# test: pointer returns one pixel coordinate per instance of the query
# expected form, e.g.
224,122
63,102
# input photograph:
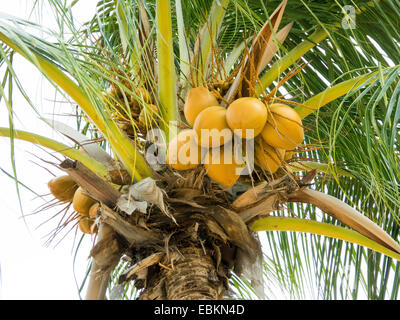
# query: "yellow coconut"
223,168
247,113
148,114
248,146
183,152
63,188
288,156
93,211
111,91
211,127
87,225
197,100
283,129
267,157
138,99
143,93
82,202
118,91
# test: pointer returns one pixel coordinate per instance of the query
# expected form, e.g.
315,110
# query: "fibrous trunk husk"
193,276
106,255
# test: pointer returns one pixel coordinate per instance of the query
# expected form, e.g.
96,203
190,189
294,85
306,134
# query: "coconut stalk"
247,76
255,205
208,36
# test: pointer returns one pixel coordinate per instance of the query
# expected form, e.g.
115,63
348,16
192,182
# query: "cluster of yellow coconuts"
140,106
275,129
65,189
148,111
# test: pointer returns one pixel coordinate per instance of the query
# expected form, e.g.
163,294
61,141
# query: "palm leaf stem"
58,147
319,228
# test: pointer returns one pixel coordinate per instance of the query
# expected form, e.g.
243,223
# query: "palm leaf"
325,229
166,67
120,143
58,147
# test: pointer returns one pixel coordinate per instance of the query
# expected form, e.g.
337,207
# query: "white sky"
28,269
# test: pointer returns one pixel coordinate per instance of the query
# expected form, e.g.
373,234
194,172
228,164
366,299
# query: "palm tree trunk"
97,284
98,281
193,277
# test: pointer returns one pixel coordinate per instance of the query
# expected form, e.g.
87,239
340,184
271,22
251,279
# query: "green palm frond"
58,147
359,134
58,64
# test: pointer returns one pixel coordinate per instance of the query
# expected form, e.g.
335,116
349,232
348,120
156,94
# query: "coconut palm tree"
328,213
